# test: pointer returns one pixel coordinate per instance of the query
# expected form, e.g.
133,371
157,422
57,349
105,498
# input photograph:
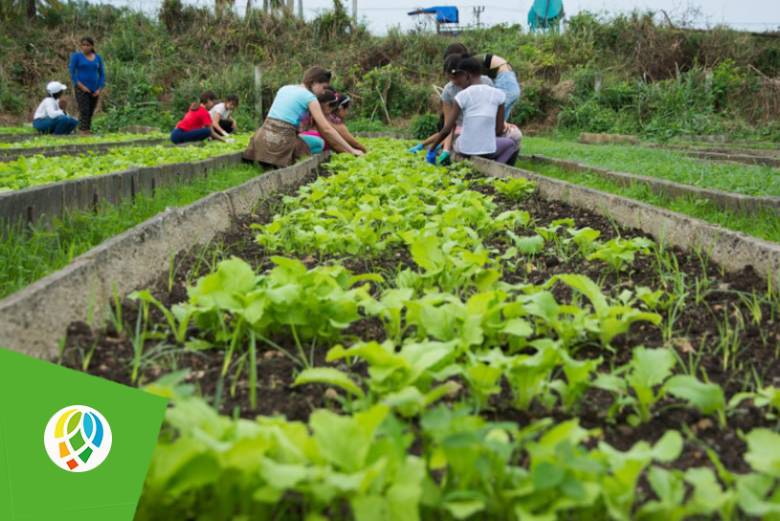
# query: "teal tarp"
544,12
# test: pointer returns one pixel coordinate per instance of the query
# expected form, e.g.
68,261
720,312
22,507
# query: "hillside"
630,74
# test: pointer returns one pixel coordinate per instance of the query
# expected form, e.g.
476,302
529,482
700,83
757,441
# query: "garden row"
48,141
82,201
27,172
737,197
443,345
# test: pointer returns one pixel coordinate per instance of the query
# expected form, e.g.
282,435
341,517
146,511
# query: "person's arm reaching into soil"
449,126
327,131
451,112
342,129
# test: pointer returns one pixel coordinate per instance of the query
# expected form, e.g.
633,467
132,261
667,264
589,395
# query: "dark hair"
232,98
451,62
57,95
316,74
328,97
470,65
205,97
455,48
87,39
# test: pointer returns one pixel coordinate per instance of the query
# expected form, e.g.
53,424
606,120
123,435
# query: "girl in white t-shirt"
482,107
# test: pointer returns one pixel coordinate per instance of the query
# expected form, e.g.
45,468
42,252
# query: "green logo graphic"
98,437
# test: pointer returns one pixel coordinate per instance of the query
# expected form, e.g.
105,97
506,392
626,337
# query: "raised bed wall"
39,204
34,320
731,250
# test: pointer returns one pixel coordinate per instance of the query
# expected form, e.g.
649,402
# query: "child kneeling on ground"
50,116
196,123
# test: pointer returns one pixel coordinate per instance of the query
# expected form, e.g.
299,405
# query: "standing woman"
277,142
89,77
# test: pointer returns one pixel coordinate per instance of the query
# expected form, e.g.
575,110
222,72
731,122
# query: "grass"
28,255
765,225
745,179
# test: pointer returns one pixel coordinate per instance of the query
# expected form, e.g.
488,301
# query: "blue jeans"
187,136
315,144
507,83
60,125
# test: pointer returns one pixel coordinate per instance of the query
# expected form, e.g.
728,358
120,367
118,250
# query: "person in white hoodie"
50,116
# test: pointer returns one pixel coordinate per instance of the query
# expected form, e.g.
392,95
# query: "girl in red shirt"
196,123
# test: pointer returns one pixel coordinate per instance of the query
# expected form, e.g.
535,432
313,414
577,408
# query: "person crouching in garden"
196,123
222,116
335,107
88,75
308,130
337,118
50,116
277,142
482,107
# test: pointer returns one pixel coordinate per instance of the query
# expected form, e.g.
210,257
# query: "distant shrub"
424,125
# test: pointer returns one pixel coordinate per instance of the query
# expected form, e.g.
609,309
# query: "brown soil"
695,337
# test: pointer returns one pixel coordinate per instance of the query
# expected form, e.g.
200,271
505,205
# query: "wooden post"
259,92
354,12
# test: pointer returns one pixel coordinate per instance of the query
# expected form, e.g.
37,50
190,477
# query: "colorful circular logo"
77,438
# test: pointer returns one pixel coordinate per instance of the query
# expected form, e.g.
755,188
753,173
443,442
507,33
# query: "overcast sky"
753,15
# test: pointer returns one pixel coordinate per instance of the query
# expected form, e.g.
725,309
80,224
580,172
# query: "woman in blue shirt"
89,77
277,142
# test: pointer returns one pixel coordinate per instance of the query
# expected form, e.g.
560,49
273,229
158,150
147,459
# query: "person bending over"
497,69
50,116
335,106
337,118
196,123
448,108
308,130
277,142
222,116
482,107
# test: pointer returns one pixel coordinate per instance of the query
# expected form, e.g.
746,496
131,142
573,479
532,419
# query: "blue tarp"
445,14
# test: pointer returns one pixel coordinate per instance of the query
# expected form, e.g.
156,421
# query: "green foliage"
387,92
54,141
27,255
36,170
408,442
653,75
424,126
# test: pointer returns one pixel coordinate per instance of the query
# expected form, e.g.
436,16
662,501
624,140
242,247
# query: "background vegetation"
629,74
